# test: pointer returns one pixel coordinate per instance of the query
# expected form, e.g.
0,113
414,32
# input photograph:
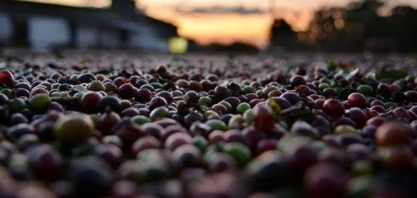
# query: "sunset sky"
227,21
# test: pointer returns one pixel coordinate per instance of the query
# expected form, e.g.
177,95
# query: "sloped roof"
165,29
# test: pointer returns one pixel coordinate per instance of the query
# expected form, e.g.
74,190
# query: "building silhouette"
42,26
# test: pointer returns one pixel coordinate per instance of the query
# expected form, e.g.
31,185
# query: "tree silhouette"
281,27
359,27
403,27
362,21
281,33
326,28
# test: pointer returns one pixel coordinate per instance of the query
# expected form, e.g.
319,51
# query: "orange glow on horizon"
252,29
226,28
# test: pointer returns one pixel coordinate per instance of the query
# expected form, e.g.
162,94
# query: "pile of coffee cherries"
127,125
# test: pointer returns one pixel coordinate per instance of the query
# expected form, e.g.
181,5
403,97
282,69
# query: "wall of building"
6,28
47,32
86,37
110,38
147,38
43,33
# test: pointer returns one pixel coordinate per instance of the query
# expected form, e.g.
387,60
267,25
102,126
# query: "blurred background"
188,25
